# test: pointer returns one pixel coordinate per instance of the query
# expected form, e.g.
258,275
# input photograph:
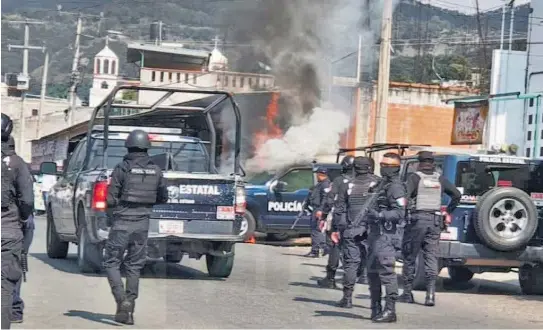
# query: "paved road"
271,287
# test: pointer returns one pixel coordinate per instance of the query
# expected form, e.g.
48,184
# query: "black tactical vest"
141,184
8,187
358,192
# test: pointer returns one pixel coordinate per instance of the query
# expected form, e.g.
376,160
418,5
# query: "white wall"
535,84
505,124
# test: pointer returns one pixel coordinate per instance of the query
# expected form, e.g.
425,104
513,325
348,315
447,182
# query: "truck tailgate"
197,205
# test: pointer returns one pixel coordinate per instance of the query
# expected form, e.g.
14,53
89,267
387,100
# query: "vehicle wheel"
89,255
248,225
220,266
56,248
419,283
506,219
278,237
174,257
459,274
530,278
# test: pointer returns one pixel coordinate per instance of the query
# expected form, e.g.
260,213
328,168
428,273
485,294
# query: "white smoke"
318,135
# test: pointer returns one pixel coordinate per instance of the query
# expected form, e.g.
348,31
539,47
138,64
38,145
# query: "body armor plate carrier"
428,193
8,187
141,184
358,193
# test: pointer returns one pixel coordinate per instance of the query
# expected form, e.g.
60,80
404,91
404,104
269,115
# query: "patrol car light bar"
128,129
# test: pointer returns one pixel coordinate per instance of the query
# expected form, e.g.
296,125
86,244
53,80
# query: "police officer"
136,185
28,235
351,198
317,201
383,223
334,251
424,190
17,206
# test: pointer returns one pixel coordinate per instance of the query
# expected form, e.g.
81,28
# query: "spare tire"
506,219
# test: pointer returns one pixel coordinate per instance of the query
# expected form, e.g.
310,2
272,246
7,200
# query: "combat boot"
388,315
329,281
346,301
430,294
407,295
121,315
376,308
125,313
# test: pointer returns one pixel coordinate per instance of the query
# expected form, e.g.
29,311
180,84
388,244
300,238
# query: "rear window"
186,156
476,178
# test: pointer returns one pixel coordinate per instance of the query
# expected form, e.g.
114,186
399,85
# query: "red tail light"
241,203
99,196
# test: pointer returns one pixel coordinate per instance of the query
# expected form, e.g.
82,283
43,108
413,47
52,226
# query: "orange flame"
272,130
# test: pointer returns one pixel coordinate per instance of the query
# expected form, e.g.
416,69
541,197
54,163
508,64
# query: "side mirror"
65,164
48,168
280,186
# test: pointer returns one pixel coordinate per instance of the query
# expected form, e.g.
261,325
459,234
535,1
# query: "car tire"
248,225
56,248
90,255
419,282
493,215
220,266
460,274
531,279
174,257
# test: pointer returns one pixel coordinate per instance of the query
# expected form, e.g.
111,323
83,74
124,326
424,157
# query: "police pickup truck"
275,200
204,212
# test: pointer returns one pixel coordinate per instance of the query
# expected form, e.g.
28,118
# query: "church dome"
217,60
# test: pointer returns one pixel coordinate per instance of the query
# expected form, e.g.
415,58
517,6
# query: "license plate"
450,235
225,213
170,227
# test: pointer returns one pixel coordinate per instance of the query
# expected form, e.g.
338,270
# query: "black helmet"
7,127
347,162
362,164
138,139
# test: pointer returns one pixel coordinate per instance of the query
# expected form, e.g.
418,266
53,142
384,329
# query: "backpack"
7,183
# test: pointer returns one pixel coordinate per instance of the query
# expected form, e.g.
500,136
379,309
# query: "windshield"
259,178
476,178
188,157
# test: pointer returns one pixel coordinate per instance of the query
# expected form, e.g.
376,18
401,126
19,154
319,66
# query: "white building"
105,75
519,121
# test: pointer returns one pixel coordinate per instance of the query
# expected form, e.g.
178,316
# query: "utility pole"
511,24
72,96
383,81
503,25
42,93
25,47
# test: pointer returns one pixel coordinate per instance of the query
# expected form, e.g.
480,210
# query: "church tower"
105,75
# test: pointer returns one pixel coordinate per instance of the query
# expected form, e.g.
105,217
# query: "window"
541,135
113,67
194,78
298,179
233,81
185,156
170,76
476,178
540,151
527,152
178,77
225,82
104,85
529,138
186,78
241,82
77,158
34,112
153,76
250,82
106,67
530,119
162,76
97,68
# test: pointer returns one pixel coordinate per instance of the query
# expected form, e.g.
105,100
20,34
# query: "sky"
468,6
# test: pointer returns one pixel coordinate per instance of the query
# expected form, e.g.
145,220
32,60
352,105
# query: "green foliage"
130,95
419,69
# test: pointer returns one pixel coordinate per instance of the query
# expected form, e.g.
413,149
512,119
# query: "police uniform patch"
327,190
401,201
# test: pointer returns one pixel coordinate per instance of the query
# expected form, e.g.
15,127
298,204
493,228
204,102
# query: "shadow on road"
340,314
160,270
331,303
94,317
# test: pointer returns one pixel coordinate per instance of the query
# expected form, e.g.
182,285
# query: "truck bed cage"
170,114
377,147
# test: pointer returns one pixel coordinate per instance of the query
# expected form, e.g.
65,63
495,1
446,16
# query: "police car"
498,225
274,200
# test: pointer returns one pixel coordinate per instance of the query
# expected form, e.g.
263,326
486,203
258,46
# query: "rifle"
24,264
369,204
300,215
